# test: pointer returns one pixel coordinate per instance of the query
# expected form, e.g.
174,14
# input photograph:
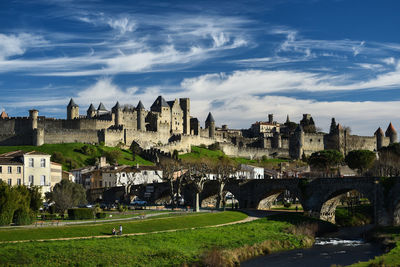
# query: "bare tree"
172,173
224,169
196,175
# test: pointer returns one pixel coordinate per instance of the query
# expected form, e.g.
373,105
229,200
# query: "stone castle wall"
71,136
253,152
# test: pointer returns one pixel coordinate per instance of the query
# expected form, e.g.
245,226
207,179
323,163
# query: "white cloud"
123,25
389,61
357,49
16,45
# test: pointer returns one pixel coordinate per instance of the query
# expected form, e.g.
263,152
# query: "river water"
325,252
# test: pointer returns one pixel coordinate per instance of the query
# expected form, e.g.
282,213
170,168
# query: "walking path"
248,219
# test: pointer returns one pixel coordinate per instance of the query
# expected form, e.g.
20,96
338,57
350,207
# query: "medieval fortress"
168,126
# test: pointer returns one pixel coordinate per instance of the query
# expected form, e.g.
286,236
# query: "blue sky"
238,59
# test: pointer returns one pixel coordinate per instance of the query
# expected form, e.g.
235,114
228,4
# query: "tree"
8,200
224,169
67,194
388,163
36,200
112,156
196,174
172,173
325,160
362,160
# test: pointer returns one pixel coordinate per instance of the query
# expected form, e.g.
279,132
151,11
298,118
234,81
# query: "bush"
214,146
80,214
58,157
23,217
49,216
287,204
101,215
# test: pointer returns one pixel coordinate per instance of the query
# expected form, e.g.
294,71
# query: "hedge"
101,215
80,213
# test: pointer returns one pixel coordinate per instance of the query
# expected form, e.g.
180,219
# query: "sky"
241,60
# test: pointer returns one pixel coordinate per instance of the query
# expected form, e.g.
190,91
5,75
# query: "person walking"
114,232
120,229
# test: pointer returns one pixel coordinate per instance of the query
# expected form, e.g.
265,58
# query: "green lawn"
143,226
199,152
389,259
163,249
72,151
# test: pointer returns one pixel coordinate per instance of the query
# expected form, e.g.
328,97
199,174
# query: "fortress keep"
169,126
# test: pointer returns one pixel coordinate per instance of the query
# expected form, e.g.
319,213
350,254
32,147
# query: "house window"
1,169
9,181
42,179
31,163
9,168
101,183
31,180
18,169
43,163
19,181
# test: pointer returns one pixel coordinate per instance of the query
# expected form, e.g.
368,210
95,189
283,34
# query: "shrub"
23,217
287,204
58,157
80,214
101,215
49,216
214,146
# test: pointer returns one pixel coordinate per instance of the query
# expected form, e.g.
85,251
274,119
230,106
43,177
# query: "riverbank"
389,238
192,247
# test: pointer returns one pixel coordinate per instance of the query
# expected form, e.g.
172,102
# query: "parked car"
138,202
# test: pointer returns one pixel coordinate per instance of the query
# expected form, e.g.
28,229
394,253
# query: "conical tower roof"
287,118
379,132
91,108
160,102
210,118
101,107
140,105
3,115
72,103
117,106
390,130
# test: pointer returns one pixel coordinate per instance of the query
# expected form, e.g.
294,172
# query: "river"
325,252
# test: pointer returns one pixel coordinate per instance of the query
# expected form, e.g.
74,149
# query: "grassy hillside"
199,152
76,158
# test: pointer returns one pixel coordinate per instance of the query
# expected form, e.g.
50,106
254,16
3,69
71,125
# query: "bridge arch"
268,198
326,208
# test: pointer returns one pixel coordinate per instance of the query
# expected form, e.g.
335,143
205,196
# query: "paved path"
248,219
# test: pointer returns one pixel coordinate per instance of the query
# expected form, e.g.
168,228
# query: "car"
138,202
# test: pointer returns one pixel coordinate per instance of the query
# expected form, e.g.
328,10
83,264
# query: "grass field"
163,249
391,258
199,152
143,226
71,151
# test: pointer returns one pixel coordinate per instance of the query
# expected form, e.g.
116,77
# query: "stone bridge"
319,197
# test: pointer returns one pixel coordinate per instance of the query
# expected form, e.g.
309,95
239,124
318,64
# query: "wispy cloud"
17,44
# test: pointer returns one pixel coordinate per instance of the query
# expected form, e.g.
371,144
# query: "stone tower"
379,138
141,116
299,135
391,133
118,114
270,118
33,116
210,124
72,110
185,106
91,112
